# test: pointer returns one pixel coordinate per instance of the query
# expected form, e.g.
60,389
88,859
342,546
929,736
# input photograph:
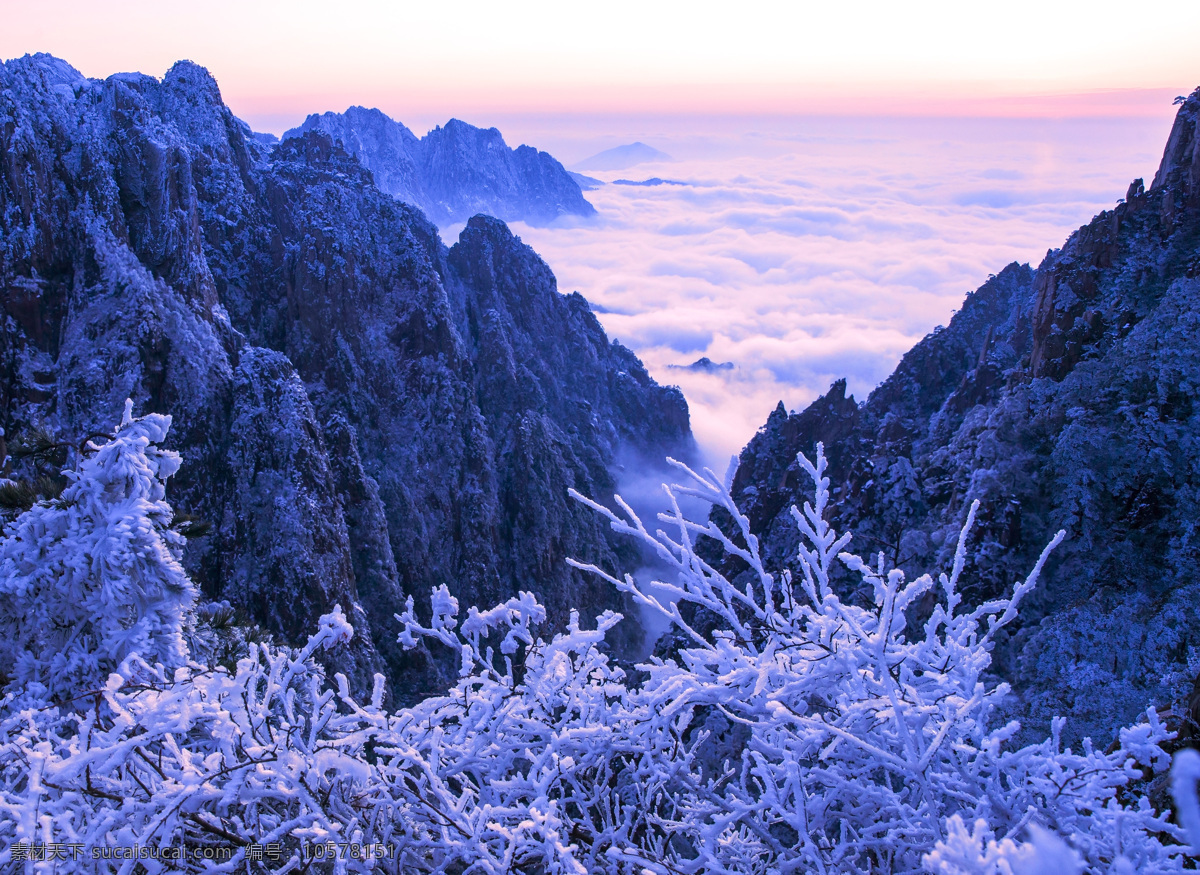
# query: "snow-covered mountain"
456,171
362,413
1061,397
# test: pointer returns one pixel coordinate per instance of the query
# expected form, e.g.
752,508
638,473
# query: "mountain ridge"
361,411
456,170
1061,397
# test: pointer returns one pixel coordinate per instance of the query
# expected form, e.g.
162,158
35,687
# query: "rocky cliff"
1061,397
363,414
454,172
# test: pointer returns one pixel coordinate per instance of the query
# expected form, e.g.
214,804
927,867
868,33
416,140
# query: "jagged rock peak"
456,170
1181,157
362,413
53,71
190,76
1059,398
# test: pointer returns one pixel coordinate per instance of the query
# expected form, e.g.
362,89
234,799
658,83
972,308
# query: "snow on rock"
1059,398
455,171
363,414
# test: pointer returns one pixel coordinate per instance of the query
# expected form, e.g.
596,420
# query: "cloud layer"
808,250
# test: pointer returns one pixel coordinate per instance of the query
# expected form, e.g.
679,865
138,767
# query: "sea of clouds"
804,250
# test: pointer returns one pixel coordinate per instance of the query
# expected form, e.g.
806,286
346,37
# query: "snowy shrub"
93,576
204,759
865,739
535,760
976,852
264,761
1185,773
803,734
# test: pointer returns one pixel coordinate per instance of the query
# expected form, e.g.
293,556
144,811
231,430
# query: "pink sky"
277,61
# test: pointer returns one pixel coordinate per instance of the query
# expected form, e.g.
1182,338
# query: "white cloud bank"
807,250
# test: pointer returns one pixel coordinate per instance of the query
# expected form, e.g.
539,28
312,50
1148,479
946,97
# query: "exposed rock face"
363,414
456,171
1061,398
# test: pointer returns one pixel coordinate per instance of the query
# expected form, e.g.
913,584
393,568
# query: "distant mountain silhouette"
649,183
623,157
704,365
455,171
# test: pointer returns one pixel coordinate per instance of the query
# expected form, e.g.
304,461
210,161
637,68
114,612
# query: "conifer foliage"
795,731
93,576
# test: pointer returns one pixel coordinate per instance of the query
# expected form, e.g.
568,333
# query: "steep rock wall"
456,170
1060,398
363,414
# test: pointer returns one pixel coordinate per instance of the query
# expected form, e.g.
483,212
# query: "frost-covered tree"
92,577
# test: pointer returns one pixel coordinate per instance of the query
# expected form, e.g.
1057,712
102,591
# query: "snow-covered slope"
1062,397
456,171
362,413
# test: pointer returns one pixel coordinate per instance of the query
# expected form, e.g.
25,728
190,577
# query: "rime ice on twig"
803,734
866,743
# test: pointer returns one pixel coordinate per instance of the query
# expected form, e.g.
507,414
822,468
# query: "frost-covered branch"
879,733
802,733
